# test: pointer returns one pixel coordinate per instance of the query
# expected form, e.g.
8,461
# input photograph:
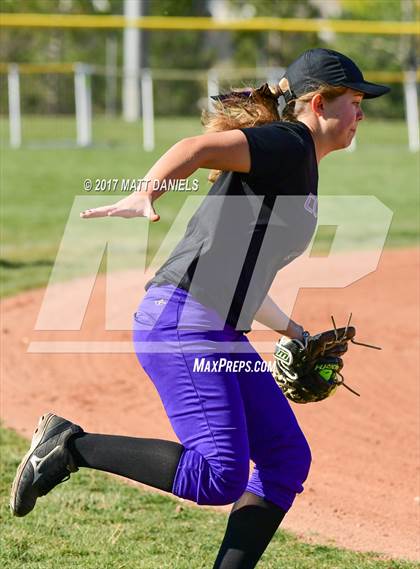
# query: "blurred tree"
178,50
272,48
371,52
379,52
54,93
196,49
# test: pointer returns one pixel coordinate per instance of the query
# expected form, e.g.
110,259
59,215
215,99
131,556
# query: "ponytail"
249,107
241,108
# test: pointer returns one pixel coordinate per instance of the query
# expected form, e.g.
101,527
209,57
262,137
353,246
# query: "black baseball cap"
321,66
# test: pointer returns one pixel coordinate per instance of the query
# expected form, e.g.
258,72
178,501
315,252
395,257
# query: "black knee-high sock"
252,523
151,461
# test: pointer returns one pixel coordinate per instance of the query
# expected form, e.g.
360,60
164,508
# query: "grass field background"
93,521
40,181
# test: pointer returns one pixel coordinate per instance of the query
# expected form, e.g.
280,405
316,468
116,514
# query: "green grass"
40,181
39,185
381,166
95,522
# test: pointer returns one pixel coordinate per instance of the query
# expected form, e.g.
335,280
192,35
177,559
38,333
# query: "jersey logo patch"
311,205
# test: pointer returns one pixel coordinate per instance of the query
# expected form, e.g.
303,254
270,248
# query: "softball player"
190,329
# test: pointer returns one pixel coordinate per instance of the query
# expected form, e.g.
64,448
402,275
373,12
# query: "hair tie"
267,91
286,91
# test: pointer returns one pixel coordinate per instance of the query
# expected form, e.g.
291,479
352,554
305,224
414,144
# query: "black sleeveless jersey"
249,225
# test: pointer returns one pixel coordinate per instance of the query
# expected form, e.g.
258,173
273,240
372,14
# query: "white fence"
212,78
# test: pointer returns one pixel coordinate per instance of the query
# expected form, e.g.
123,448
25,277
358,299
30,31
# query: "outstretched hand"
137,204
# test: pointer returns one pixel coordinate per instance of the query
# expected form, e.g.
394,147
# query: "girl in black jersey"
189,330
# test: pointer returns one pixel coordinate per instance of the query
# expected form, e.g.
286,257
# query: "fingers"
103,211
130,212
154,217
150,212
121,210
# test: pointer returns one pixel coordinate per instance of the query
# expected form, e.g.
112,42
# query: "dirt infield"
363,489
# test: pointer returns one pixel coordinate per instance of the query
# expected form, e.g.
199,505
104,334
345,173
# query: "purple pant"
223,417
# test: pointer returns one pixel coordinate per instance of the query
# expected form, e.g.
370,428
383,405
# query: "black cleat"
47,463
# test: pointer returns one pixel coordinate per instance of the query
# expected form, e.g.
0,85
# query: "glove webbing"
353,341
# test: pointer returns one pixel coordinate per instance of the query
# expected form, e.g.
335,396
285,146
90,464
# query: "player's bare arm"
227,151
272,316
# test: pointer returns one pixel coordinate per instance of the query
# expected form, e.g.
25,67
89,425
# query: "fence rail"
187,74
145,77
197,23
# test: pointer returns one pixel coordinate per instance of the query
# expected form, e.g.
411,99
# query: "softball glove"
310,370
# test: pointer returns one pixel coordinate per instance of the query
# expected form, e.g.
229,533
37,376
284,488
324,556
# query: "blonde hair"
250,107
